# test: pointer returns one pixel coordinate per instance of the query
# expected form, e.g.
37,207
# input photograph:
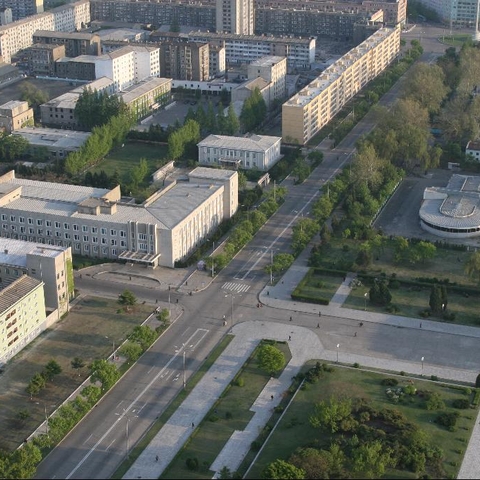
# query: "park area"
349,423
456,40
409,282
90,331
122,159
231,412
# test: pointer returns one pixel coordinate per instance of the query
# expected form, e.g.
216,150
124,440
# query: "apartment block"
235,16
22,8
147,96
78,68
56,143
14,115
308,111
5,15
75,43
274,71
185,60
18,35
60,111
94,222
22,315
42,58
216,60
300,52
256,152
163,12
49,264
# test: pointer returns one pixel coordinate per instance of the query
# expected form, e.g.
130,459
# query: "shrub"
256,445
434,402
477,381
192,464
434,378
214,418
240,382
409,390
389,382
402,373
449,317
356,365
447,419
394,284
278,409
228,415
461,403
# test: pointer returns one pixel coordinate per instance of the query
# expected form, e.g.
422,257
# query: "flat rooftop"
50,137
65,35
11,104
267,61
135,91
215,173
251,38
334,71
14,252
255,143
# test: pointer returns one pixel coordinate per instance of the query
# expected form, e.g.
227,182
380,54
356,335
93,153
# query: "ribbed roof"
254,143
18,289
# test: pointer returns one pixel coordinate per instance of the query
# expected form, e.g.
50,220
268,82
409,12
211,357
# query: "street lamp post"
127,434
232,298
365,297
113,346
213,261
338,346
184,380
422,359
169,305
271,267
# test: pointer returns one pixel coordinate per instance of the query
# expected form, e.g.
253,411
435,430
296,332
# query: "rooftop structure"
452,211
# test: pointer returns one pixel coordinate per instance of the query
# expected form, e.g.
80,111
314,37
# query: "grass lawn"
82,333
123,159
448,264
232,412
455,40
294,429
321,285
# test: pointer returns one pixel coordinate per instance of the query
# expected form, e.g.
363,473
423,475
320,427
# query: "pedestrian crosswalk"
236,287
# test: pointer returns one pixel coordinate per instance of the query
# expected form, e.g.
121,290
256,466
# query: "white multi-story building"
256,152
216,61
147,62
22,8
300,52
235,16
49,264
22,315
455,13
314,106
274,70
19,35
94,222
118,65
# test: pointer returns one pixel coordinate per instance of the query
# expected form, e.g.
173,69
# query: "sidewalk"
304,346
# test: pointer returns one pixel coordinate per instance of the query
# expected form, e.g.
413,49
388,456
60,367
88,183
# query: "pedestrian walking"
355,334
420,324
193,425
156,300
268,292
319,314
271,397
318,325
290,318
156,458
289,337
361,324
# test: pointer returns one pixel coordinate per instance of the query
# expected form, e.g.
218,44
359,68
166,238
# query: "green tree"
301,169
163,316
371,459
379,293
12,147
329,415
472,266
37,383
270,358
232,124
104,372
280,469
422,251
21,463
34,96
316,463
281,262
52,368
131,351
127,298
254,110
138,173
436,300
77,363
143,335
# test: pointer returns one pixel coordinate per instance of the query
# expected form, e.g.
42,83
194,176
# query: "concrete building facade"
42,58
308,111
22,315
75,43
18,35
274,71
14,115
185,61
216,60
22,8
6,15
235,16
56,143
49,264
94,222
256,152
473,150
300,52
147,96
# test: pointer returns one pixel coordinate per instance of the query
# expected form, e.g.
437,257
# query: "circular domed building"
452,211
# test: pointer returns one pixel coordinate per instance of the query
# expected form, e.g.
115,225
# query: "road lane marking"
113,441
87,439
120,418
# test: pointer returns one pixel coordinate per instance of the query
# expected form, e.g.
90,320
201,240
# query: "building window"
57,225
66,226
31,231
113,233
85,238
123,233
76,237
21,219
94,229
75,227
30,221
12,218
103,231
104,241
4,217
39,222
113,242
84,228
48,223
77,246
95,239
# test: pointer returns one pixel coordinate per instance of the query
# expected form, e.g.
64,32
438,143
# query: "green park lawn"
88,331
321,285
295,430
124,158
410,300
455,40
232,413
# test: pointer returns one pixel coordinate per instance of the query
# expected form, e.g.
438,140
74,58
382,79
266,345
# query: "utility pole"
271,267
184,380
213,261
274,193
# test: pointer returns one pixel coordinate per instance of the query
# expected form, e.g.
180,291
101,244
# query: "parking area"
400,215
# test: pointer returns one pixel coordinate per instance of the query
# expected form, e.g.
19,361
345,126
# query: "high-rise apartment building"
235,16
22,8
185,61
312,108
